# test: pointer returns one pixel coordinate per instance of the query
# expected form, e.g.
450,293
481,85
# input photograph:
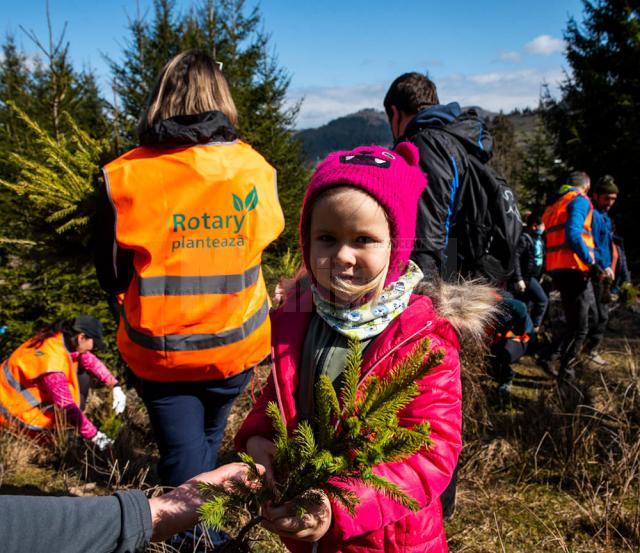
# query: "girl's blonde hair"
189,83
372,289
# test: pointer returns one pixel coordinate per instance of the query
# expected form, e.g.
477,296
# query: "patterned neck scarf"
370,319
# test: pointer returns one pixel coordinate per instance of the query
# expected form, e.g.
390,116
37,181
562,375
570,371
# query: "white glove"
119,400
102,440
609,274
520,286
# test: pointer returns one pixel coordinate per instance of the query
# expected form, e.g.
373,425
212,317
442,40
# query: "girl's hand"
309,527
262,451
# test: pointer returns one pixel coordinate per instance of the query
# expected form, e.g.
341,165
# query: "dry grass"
556,470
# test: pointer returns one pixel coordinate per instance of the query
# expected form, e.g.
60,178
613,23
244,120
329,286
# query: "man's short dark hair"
534,218
578,178
411,93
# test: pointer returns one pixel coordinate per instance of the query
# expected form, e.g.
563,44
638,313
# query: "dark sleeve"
436,208
115,524
114,265
521,250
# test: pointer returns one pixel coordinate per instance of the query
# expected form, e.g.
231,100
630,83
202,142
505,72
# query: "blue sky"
342,56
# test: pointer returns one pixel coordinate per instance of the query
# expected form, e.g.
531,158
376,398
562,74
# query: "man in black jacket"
445,136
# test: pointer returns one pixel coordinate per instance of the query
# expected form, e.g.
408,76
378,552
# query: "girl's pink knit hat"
392,177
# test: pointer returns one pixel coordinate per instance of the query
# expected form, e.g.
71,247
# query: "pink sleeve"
257,422
55,387
97,368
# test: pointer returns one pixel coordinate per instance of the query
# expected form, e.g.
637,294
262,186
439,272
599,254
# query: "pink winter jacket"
380,524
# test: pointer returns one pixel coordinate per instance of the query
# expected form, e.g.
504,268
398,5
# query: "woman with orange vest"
184,221
43,373
571,263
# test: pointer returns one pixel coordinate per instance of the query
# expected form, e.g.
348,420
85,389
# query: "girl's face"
85,343
350,239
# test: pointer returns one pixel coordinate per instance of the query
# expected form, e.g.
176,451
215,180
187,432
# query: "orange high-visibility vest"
21,402
559,254
197,220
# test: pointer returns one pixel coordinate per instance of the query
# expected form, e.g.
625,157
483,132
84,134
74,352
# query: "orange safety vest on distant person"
559,254
197,220
22,405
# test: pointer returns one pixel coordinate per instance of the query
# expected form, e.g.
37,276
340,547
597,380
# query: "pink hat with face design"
392,177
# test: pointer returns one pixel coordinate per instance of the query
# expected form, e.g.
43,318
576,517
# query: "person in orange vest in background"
43,373
571,262
184,220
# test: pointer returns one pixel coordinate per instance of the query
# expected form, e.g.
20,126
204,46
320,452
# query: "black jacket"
525,265
445,136
114,265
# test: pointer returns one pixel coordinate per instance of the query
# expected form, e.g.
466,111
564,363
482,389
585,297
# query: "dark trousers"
536,299
579,307
601,294
188,420
503,355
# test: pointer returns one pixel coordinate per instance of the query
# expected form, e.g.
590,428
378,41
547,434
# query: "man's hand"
178,510
262,451
309,527
520,286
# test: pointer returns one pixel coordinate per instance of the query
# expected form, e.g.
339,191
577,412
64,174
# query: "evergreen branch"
351,377
327,408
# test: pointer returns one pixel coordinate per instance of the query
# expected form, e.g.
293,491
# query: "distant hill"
363,127
370,126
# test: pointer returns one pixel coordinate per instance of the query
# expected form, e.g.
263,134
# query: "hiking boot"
596,358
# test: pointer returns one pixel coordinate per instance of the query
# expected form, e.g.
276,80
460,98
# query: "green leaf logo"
251,201
237,202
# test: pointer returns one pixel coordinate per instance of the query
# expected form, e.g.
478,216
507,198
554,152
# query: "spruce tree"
352,431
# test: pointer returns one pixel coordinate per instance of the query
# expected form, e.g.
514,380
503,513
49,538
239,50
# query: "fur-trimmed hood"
469,306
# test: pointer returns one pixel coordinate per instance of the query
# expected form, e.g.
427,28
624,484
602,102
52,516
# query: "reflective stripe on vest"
559,254
197,220
195,286
26,394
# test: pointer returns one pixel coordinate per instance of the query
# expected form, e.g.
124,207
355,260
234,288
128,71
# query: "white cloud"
322,104
495,91
545,45
500,90
511,57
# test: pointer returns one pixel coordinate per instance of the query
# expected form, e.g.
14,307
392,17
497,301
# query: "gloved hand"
609,274
596,272
102,441
119,400
520,286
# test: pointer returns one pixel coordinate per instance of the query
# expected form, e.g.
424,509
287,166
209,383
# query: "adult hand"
102,441
178,510
262,450
309,527
609,274
520,286
119,400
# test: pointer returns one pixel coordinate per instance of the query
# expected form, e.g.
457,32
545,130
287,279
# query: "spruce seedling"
350,434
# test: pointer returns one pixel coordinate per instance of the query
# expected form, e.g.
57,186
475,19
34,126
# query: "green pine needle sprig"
350,434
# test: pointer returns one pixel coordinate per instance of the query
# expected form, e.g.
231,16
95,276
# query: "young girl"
357,231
